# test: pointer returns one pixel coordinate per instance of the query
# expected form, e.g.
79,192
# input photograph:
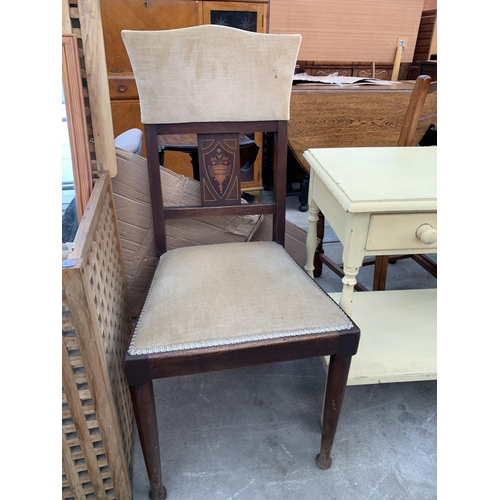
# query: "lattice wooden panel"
83,453
97,418
106,283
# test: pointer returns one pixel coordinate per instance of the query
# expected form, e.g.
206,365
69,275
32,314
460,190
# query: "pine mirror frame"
77,124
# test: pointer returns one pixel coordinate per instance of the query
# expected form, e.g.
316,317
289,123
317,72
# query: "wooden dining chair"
224,306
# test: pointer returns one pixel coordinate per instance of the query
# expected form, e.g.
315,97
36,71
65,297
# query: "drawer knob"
122,88
426,234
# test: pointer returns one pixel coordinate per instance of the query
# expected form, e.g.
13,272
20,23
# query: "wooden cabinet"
249,16
118,15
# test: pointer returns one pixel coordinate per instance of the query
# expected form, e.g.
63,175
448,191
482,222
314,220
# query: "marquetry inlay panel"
219,157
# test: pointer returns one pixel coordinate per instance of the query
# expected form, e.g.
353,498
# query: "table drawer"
398,232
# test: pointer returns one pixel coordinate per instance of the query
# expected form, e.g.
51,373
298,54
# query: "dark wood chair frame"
423,87
140,370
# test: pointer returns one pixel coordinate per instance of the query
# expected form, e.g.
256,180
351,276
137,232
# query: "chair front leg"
147,426
338,372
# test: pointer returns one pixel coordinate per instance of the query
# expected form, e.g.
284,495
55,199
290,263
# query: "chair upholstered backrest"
212,73
218,83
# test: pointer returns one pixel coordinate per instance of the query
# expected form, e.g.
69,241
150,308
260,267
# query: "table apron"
382,233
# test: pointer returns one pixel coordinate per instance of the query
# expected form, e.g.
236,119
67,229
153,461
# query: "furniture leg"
380,272
304,194
338,269
318,262
336,382
349,281
145,415
428,264
311,238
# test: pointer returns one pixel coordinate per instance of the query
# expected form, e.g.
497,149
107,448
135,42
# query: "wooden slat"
426,30
192,212
83,238
97,81
66,21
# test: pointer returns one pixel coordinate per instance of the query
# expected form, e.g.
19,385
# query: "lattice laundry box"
97,417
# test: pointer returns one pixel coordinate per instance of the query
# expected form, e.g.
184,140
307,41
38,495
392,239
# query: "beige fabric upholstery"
192,304
182,75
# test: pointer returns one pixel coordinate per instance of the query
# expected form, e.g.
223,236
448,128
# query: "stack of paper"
334,79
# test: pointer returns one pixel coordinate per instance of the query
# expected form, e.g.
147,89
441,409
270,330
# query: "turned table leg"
349,282
312,238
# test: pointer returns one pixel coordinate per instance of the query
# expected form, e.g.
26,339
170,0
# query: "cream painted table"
380,201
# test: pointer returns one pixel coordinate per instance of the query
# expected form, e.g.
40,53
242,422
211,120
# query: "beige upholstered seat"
193,304
225,305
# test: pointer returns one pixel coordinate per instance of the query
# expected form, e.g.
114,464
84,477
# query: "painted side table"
380,201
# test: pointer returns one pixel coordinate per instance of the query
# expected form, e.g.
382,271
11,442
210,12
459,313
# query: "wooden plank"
192,212
398,336
77,123
66,21
86,228
343,30
97,81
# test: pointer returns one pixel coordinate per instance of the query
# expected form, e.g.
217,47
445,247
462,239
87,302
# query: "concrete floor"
254,433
